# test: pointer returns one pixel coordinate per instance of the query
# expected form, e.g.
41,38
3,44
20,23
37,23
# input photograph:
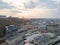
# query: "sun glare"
25,13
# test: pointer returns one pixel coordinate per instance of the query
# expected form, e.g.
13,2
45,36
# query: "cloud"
41,3
48,3
8,9
31,8
56,13
30,4
5,5
50,8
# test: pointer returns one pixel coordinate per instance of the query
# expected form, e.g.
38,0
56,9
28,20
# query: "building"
42,28
52,27
11,30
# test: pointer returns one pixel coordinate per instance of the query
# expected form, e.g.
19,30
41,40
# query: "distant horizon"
29,18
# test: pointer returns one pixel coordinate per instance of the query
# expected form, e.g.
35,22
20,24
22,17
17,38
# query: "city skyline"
30,8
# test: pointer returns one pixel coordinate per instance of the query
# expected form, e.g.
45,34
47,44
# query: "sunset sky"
30,8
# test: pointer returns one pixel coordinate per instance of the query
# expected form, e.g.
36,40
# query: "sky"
30,8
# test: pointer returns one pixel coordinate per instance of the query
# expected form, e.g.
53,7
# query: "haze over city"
29,22
30,8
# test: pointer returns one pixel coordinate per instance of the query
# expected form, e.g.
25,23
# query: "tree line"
12,21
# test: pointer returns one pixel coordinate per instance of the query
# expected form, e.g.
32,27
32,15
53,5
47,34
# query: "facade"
52,27
11,31
42,28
